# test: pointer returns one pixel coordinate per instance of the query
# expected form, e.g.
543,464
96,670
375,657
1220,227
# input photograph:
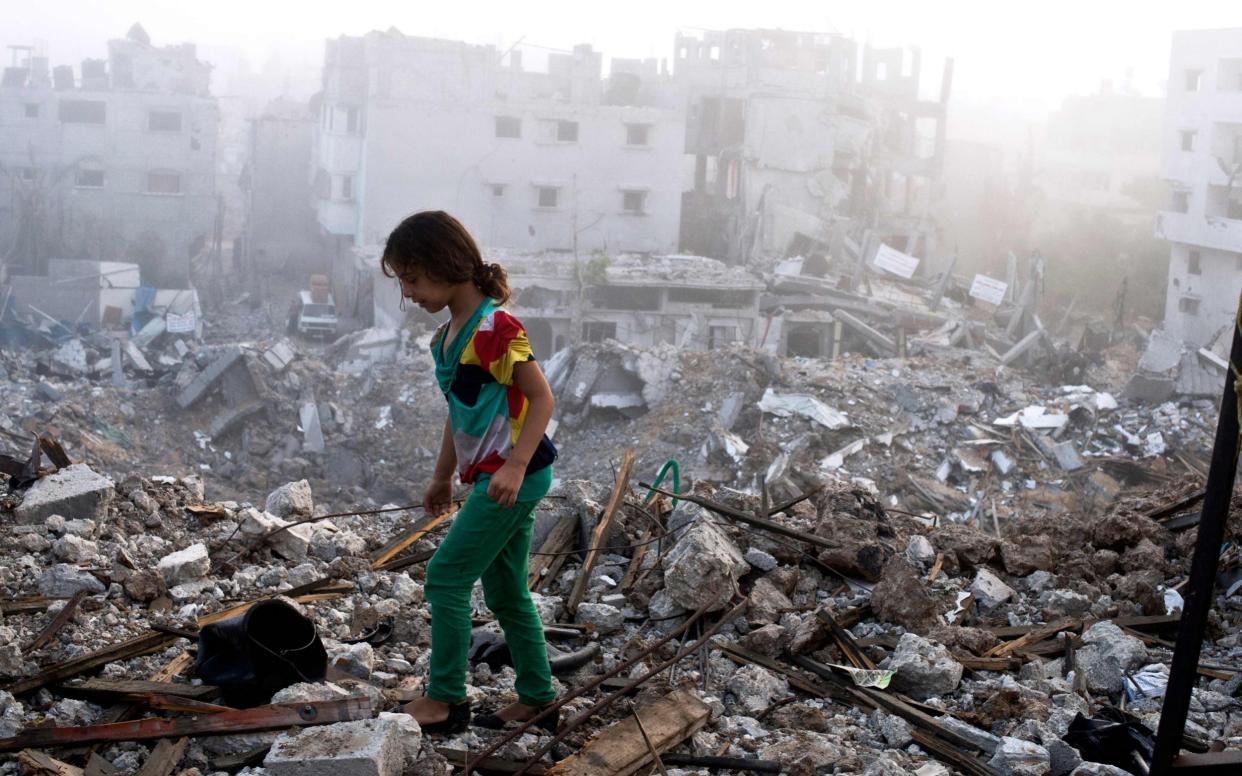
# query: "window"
1188,139
548,196
347,188
1193,80
82,111
164,121
598,331
1188,305
351,121
498,189
163,182
633,201
567,131
32,110
719,336
508,126
1193,265
1181,202
637,134
89,175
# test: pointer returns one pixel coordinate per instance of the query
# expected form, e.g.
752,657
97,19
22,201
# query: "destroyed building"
115,162
797,141
528,160
1202,153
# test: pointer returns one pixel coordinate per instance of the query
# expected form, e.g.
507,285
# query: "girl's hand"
438,498
504,484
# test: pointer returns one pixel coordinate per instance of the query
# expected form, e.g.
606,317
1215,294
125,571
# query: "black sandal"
457,721
494,722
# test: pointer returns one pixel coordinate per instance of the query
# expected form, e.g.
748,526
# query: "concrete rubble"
934,507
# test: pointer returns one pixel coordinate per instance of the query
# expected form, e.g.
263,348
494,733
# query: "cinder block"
369,747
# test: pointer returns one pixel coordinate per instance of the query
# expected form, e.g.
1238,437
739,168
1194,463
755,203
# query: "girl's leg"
504,589
480,531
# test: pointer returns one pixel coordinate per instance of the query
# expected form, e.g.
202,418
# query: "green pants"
492,542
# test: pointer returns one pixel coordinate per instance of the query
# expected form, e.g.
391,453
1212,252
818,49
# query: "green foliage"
595,271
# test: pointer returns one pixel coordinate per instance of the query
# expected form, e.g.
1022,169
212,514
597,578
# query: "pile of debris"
823,632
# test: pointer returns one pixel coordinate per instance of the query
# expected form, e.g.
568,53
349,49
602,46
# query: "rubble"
74,490
365,748
924,669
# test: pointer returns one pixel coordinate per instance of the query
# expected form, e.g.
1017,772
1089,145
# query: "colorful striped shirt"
486,410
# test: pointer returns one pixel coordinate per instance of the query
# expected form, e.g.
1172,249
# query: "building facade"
115,163
1202,164
560,160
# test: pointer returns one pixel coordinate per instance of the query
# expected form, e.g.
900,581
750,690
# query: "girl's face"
431,295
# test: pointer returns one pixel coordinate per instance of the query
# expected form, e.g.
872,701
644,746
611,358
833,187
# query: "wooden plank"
105,689
234,611
276,716
398,545
174,668
164,757
619,750
41,764
557,541
636,562
600,533
59,621
1033,637
142,645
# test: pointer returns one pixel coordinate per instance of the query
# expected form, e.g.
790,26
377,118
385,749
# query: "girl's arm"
529,379
439,494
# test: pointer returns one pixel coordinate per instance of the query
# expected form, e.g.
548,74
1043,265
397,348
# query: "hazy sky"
1021,57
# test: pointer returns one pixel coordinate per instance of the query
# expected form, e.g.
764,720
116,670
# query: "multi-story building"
1202,153
114,163
558,160
1102,153
794,138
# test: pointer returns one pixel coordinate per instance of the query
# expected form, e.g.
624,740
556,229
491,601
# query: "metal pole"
1198,599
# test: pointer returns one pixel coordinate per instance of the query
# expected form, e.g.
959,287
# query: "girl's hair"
440,246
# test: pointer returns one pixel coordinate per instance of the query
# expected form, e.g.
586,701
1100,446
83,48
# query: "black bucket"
252,656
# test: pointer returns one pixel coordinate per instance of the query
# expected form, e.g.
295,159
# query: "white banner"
896,262
988,289
181,324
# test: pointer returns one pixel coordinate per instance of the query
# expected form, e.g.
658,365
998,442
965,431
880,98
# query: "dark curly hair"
440,246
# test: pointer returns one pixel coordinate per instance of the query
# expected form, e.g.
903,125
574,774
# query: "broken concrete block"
74,549
75,491
188,565
759,559
989,591
1108,656
354,659
755,687
924,669
292,543
145,585
1067,456
1015,757
1098,769
604,618
411,734
1149,389
312,429
209,377
292,498
902,598
63,580
703,567
920,550
369,747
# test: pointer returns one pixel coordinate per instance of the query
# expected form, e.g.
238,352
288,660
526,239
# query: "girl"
499,406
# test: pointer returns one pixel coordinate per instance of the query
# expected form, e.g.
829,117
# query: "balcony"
1222,234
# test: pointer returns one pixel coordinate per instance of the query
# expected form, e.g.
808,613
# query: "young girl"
499,406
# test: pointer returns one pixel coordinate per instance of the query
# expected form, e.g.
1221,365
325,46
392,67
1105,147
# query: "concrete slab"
1163,353
73,492
208,378
369,747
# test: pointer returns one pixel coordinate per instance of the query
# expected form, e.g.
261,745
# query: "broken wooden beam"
272,717
550,552
164,757
748,519
599,535
35,763
142,645
110,689
1034,636
620,749
59,621
418,531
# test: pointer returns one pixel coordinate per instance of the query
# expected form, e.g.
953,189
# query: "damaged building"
115,162
1202,144
562,159
799,141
